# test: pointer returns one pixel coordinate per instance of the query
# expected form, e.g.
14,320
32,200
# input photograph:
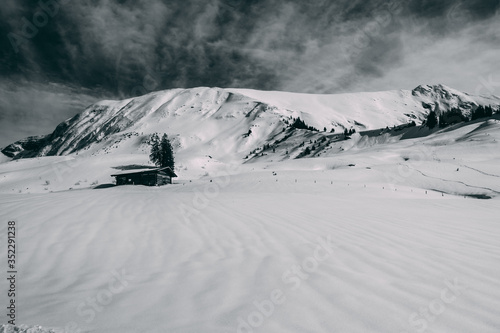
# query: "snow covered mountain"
234,122
360,235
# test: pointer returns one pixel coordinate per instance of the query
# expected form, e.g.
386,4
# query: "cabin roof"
167,170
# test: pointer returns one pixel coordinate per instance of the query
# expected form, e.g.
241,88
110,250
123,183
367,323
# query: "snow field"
392,254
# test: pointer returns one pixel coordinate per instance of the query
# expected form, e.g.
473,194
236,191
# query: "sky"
57,56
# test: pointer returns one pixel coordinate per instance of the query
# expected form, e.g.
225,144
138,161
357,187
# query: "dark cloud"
28,109
122,48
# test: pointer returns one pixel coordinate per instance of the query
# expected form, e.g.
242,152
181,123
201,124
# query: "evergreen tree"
488,111
300,124
479,112
432,120
453,116
155,154
167,154
161,152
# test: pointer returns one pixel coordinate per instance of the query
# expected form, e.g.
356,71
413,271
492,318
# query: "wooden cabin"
148,177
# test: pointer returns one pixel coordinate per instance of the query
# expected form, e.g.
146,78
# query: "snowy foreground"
386,236
254,254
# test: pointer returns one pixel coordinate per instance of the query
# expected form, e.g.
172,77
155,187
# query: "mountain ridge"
226,115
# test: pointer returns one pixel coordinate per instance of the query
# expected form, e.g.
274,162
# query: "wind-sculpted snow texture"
343,257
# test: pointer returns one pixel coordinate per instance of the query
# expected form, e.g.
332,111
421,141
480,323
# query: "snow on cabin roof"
126,172
134,171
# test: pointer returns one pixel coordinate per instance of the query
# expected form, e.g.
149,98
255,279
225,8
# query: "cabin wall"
129,180
148,179
121,180
163,180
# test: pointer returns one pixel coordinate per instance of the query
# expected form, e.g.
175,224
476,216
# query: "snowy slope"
461,160
173,259
215,121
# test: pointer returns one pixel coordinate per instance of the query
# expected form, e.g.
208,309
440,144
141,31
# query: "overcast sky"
57,57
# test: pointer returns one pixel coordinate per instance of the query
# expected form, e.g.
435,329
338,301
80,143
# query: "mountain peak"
437,90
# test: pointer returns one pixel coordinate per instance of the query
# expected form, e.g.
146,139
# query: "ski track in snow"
458,182
481,172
